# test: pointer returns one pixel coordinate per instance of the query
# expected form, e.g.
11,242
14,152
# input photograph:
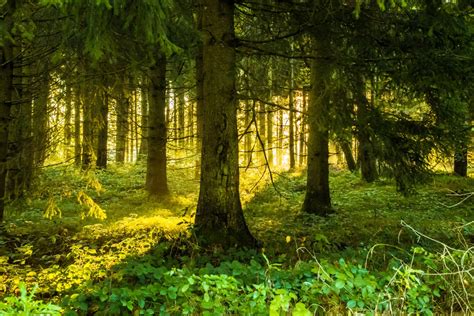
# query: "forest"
236,157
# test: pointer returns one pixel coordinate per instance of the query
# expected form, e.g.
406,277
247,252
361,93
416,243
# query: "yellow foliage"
94,209
52,210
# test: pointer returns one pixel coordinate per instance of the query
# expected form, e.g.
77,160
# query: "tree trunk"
248,135
87,132
303,131
144,120
156,177
6,87
199,93
77,128
67,123
103,131
219,216
291,123
347,150
123,104
181,119
261,131
460,162
317,200
368,166
40,118
270,121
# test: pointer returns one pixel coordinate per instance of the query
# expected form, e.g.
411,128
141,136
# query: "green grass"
142,256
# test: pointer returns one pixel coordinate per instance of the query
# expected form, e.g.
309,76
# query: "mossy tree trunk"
317,199
156,176
219,216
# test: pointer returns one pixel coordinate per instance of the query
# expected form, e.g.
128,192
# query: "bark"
303,131
103,130
291,123
181,119
262,131
77,128
219,217
199,94
248,136
156,176
40,118
123,105
190,129
368,166
317,200
87,132
461,162
144,122
67,123
270,122
6,83
281,135
347,150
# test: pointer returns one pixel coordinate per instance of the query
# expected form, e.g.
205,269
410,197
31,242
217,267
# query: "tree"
6,85
317,199
156,177
219,216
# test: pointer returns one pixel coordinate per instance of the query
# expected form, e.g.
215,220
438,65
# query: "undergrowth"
379,253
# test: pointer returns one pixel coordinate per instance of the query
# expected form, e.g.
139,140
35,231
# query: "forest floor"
99,244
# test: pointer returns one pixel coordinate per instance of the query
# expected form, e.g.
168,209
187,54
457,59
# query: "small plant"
26,305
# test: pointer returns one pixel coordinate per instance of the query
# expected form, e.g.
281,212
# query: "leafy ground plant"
26,305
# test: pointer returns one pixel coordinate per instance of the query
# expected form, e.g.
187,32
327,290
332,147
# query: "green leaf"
301,310
351,304
339,284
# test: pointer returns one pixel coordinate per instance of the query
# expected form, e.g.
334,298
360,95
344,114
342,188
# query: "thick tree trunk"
20,164
156,177
77,127
317,199
6,85
103,130
219,216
